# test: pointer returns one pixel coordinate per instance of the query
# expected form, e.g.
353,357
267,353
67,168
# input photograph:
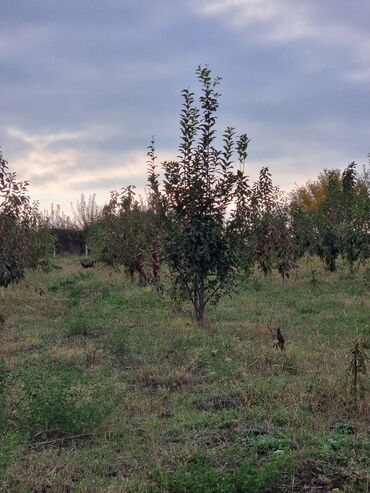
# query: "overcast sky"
84,84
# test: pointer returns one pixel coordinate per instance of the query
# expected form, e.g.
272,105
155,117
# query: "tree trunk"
199,313
156,269
199,298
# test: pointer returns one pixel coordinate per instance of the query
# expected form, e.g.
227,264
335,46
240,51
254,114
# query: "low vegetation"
103,388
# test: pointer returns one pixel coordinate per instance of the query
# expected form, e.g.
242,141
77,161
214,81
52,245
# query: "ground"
103,387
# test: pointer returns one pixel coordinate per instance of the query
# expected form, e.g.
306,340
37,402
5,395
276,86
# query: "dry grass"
168,396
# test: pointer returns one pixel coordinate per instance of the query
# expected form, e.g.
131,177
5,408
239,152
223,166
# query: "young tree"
271,230
204,202
123,235
328,224
24,239
356,217
155,211
263,218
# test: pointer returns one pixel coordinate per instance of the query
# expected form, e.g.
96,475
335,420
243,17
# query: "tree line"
203,224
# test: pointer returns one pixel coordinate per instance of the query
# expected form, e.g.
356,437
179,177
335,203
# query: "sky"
84,84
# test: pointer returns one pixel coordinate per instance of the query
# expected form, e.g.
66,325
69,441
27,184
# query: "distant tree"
355,226
58,219
275,247
69,238
329,221
204,202
331,216
286,252
86,211
265,198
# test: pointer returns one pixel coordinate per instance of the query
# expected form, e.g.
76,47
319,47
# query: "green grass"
104,388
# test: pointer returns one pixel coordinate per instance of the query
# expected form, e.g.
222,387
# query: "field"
105,388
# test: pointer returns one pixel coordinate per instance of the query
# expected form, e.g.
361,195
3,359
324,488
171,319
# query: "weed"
55,402
290,365
219,401
3,382
358,368
119,342
256,283
87,263
10,442
201,477
47,265
278,338
344,428
366,278
79,323
314,282
265,444
72,286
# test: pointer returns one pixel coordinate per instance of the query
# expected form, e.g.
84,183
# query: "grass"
104,388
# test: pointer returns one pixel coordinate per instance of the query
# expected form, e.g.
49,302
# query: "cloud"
59,163
288,20
360,76
83,85
40,141
321,33
284,20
